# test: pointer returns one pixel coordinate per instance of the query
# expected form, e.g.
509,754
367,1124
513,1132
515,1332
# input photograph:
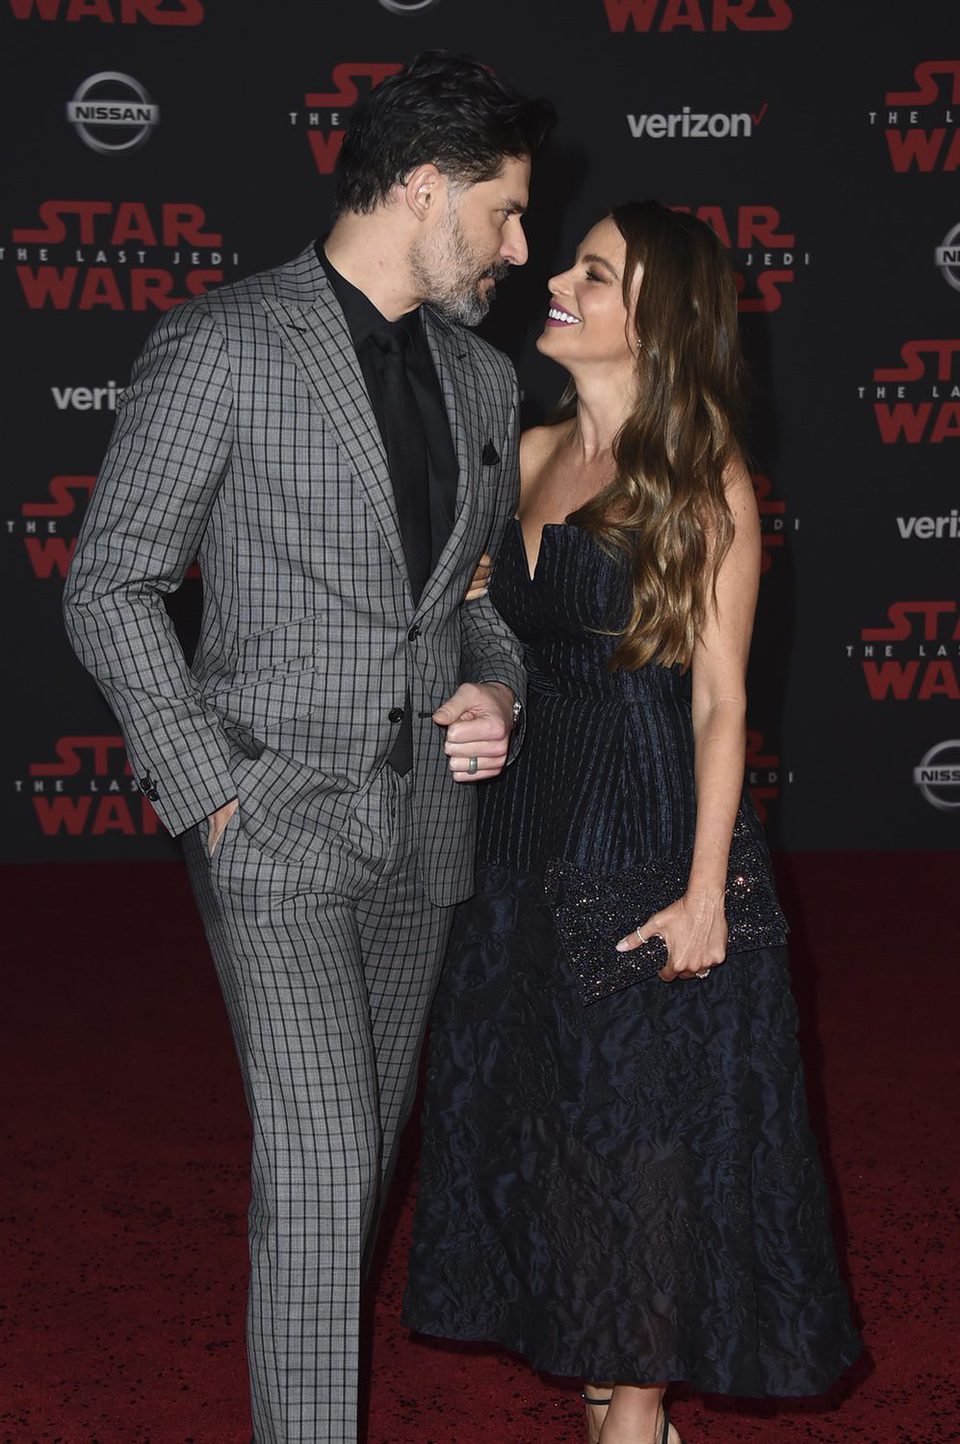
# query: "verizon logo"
86,398
688,124
929,528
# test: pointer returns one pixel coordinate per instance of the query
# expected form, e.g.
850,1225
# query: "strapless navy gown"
627,1190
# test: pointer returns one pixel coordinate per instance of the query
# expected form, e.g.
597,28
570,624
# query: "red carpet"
124,1177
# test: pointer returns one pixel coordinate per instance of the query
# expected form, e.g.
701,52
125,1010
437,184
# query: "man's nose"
514,247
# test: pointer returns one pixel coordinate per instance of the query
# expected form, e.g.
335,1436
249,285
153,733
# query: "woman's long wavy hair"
666,507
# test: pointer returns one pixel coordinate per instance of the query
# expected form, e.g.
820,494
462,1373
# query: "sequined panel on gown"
628,1190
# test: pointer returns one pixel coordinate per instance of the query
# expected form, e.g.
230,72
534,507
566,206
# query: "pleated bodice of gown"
605,777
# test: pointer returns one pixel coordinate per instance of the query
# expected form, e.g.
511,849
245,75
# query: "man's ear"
423,190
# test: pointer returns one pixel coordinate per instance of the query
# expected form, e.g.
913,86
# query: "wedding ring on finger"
703,973
473,766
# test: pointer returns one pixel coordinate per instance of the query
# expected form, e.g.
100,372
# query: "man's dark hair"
443,109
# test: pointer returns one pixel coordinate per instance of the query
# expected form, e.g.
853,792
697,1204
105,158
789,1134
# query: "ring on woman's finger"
703,973
473,765
642,939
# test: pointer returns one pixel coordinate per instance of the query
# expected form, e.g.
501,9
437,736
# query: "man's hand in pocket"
217,824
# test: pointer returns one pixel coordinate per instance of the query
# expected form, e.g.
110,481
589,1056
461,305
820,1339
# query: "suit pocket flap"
294,644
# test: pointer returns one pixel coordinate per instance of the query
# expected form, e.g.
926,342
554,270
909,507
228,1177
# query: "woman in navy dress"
618,1178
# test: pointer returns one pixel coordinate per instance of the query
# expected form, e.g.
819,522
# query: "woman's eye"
592,276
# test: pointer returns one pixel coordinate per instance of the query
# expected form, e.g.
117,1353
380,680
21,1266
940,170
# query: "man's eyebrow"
599,261
514,207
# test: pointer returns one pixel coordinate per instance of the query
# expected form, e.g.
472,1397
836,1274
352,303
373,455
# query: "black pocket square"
489,456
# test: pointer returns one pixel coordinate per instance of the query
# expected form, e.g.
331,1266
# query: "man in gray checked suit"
338,452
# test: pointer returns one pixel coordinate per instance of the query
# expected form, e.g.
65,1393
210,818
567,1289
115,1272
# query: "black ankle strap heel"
664,1437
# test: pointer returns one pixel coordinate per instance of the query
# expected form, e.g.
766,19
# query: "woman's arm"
719,693
694,928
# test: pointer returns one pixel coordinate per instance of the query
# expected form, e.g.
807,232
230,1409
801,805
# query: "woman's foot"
596,1400
637,1416
632,1437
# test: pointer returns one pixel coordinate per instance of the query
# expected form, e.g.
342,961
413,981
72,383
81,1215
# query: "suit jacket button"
413,633
395,714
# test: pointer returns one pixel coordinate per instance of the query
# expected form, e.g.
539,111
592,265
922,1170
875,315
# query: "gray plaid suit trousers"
246,439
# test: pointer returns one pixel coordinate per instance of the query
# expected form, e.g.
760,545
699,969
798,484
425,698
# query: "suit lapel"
458,383
316,336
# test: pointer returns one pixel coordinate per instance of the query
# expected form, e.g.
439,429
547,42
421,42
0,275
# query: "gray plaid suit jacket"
246,440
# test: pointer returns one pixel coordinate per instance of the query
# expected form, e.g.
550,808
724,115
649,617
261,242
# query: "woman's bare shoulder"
538,444
739,488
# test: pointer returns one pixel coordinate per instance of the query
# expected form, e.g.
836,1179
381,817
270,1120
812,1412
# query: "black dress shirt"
363,318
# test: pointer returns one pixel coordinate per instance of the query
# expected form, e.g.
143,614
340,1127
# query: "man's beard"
449,279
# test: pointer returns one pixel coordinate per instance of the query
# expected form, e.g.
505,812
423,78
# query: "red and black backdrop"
161,147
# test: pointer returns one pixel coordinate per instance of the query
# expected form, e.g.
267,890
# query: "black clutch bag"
593,911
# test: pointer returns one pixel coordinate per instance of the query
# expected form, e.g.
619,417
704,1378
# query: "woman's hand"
694,929
478,587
